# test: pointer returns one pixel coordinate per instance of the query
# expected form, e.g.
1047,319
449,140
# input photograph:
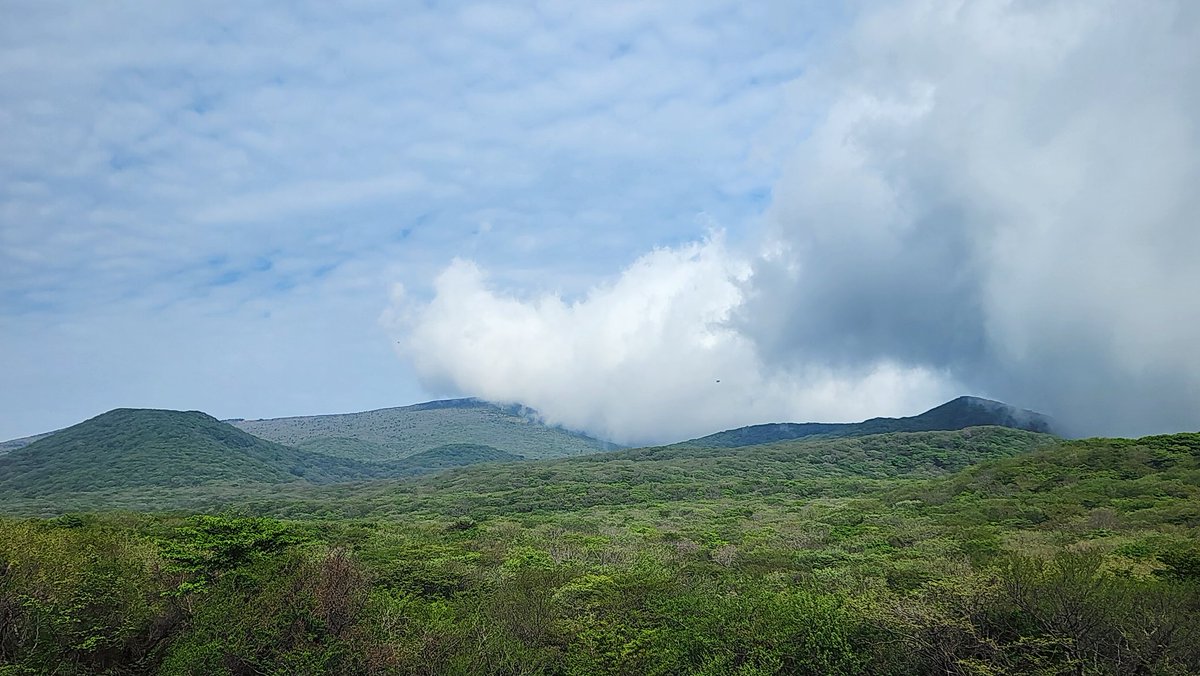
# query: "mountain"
394,433
956,414
139,448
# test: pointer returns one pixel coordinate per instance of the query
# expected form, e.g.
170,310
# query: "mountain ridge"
128,447
958,413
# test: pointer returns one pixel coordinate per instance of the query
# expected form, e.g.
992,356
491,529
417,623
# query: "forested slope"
1043,557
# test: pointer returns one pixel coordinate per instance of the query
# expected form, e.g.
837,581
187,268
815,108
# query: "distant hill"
956,414
800,469
14,444
137,448
391,434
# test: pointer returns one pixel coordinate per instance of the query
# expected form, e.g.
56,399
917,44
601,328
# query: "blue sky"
600,209
205,206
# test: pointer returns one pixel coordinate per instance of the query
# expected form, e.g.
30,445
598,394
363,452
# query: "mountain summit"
955,414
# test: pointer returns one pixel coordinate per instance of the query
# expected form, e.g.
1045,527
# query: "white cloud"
647,356
994,195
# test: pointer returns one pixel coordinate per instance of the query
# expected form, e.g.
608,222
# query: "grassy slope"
394,433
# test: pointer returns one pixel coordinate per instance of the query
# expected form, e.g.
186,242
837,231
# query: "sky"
648,220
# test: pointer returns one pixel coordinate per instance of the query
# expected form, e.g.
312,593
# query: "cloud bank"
648,357
992,197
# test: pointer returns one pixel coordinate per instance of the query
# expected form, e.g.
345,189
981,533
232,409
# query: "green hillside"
393,433
157,459
127,449
872,555
440,458
953,415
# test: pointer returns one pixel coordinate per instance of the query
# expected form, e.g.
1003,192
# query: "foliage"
208,546
78,596
391,434
870,555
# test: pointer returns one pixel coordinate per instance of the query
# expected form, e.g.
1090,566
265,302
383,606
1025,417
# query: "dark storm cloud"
1006,192
995,198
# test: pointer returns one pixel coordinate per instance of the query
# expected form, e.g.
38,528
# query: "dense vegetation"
799,469
978,552
394,433
955,414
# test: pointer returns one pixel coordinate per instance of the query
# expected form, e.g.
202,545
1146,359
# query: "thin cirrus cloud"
993,197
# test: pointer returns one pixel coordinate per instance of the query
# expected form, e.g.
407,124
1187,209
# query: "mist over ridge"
991,197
